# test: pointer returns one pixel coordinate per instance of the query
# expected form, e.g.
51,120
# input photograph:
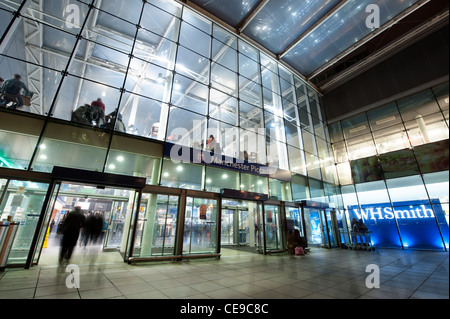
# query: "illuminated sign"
411,212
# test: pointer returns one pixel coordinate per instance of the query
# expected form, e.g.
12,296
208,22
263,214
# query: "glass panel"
218,179
225,55
250,92
316,190
227,227
294,220
366,170
398,164
277,154
135,158
195,40
344,172
192,65
340,152
336,132
432,157
437,185
272,223
313,166
383,117
406,189
226,137
72,147
223,107
419,105
18,138
139,116
255,146
391,139
81,105
200,229
197,21
280,190
254,184
190,95
427,129
181,175
23,201
293,135
251,117
372,193
300,190
441,93
224,80
360,147
249,68
224,36
355,126
297,161
185,128
157,225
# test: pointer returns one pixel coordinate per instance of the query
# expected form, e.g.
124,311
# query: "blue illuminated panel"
417,224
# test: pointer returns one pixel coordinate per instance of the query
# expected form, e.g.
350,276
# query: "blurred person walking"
73,222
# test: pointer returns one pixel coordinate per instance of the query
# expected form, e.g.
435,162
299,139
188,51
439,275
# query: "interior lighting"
180,168
120,159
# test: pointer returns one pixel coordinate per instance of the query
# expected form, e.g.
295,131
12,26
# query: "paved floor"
322,274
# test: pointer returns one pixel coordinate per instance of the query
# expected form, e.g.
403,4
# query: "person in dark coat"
71,231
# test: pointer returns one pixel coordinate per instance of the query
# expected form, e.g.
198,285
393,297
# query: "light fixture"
112,166
120,158
180,168
43,157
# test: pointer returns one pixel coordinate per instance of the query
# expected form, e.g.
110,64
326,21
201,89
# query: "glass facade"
392,164
115,84
163,73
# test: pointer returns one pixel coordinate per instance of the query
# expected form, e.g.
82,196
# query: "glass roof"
307,33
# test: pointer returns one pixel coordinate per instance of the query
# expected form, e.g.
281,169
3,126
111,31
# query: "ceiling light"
120,159
43,157
112,166
180,168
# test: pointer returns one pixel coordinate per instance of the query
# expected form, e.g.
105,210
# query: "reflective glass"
192,65
200,227
224,36
185,128
226,137
313,166
250,91
197,21
399,163
297,162
251,117
224,80
339,32
72,147
254,183
406,189
19,136
224,55
218,179
280,190
437,185
382,117
249,68
427,129
277,154
417,106
223,107
195,40
391,139
300,190
181,175
254,144
190,95
361,147
355,126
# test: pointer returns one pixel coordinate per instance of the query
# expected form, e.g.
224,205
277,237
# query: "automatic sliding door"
200,229
313,226
272,227
227,227
157,224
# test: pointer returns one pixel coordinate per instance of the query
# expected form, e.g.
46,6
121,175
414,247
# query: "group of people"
296,243
10,92
94,114
74,224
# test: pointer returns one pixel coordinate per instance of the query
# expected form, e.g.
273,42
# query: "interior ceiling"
327,41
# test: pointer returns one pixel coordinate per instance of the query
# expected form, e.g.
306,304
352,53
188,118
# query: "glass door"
244,228
200,229
157,225
23,201
272,227
313,226
320,227
227,227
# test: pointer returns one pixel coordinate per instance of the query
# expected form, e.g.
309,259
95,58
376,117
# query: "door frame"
61,175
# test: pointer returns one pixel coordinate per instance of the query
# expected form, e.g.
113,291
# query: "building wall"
393,167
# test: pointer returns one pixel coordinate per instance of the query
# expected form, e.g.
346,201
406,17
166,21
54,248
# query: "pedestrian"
73,222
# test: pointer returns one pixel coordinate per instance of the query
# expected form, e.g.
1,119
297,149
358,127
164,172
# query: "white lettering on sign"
389,213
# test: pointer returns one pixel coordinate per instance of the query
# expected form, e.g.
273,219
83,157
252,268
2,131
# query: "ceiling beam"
252,15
